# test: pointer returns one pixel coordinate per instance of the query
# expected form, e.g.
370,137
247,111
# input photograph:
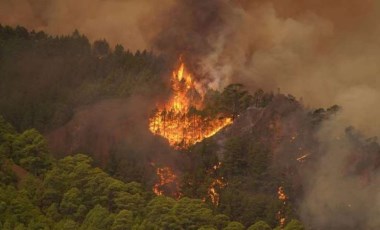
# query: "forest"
76,152
43,79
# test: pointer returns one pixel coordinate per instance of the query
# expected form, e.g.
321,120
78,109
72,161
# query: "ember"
281,213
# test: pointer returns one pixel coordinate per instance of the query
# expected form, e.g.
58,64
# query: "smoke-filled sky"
326,52
119,21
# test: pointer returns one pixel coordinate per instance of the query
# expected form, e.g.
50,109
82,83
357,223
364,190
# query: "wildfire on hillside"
178,120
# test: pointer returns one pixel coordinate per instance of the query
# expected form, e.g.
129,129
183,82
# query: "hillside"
90,138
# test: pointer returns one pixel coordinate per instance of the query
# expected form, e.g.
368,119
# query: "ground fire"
178,120
216,184
281,213
166,179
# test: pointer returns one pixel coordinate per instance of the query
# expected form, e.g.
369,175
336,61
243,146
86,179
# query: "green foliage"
234,226
123,221
294,225
98,218
18,211
70,202
235,99
251,191
74,195
7,176
30,151
159,214
44,78
59,74
7,135
260,225
66,224
236,162
221,221
192,214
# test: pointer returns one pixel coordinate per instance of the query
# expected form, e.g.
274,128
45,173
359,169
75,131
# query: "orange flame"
178,120
212,190
281,213
281,194
217,183
166,177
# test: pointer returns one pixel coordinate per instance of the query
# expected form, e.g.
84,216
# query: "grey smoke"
326,52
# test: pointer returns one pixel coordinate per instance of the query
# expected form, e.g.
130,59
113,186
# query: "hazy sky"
326,52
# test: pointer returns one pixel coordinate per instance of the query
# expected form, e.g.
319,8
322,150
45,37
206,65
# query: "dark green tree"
97,218
294,225
31,152
123,221
234,226
235,99
260,225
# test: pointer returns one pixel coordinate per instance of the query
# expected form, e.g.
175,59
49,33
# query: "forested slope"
44,78
71,194
76,151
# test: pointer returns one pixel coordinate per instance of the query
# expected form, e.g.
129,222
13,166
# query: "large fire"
178,120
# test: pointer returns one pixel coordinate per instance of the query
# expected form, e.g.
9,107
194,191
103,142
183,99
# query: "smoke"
115,132
321,50
118,21
326,52
342,190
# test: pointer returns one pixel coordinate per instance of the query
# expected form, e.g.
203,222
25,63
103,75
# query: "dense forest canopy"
44,78
76,152
70,193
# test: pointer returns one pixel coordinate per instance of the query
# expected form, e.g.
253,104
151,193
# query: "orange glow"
281,194
178,120
216,184
212,190
166,177
281,213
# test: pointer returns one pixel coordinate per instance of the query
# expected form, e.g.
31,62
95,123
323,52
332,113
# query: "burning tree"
180,120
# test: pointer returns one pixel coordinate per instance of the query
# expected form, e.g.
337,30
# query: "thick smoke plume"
118,21
341,191
326,52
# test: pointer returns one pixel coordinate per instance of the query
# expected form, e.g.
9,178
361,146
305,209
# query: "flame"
212,190
216,184
281,194
166,177
178,121
281,213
